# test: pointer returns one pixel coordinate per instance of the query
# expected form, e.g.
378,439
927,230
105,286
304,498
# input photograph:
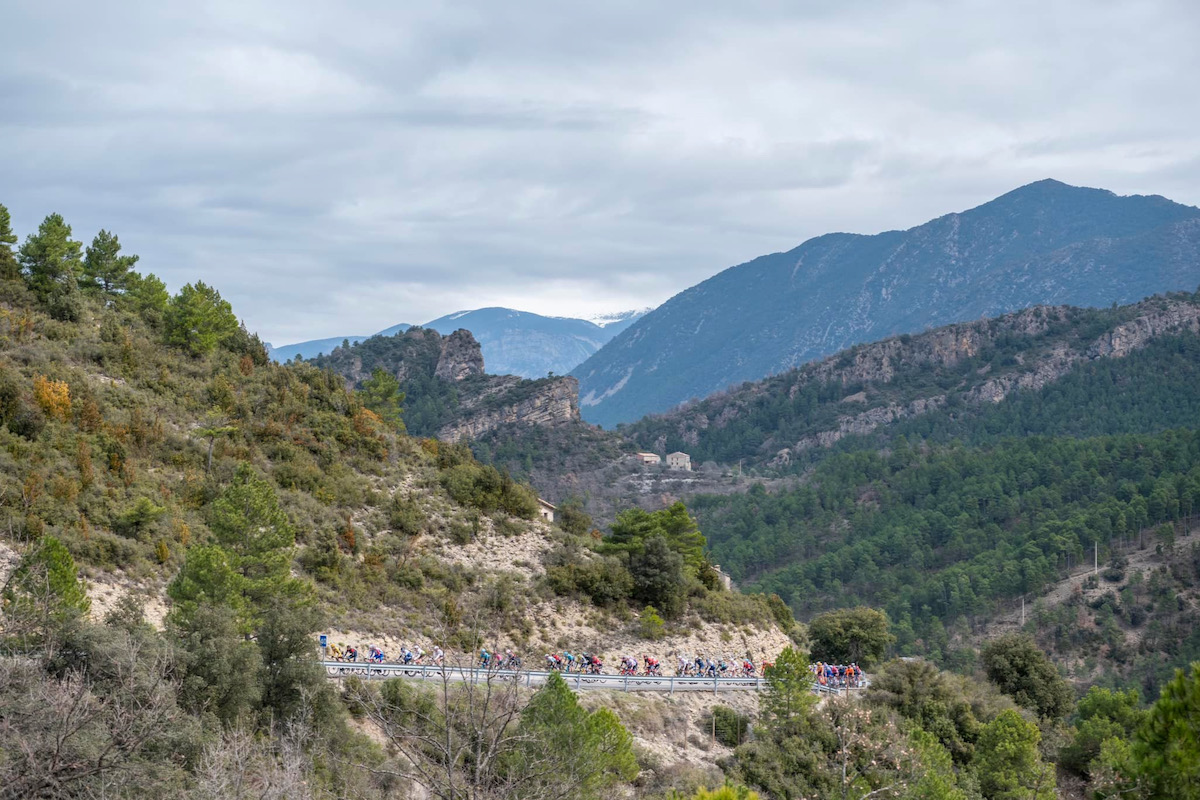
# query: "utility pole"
1096,556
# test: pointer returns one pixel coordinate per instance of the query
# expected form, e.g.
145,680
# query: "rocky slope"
448,394
875,385
1046,243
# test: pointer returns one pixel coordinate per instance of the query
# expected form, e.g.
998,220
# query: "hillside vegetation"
1132,368
147,444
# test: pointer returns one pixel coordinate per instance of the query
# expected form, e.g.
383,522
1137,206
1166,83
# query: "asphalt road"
638,683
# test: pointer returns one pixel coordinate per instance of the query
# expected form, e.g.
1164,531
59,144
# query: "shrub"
730,727
651,626
53,397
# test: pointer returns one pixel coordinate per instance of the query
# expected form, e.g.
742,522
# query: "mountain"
514,342
530,345
316,347
940,381
1043,243
447,394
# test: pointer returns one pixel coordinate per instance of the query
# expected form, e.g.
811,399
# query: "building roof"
547,505
678,453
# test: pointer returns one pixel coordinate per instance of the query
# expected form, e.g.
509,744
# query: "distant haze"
338,168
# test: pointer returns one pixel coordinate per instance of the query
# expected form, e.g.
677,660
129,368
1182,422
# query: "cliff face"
871,386
447,393
461,357
547,403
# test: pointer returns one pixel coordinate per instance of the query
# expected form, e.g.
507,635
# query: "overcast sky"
334,170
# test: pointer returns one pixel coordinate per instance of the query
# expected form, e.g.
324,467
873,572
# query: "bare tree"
62,738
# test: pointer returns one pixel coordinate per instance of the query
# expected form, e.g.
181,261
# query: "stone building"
546,510
649,459
679,461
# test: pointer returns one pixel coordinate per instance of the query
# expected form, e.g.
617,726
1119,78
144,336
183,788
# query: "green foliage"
105,270
223,668
138,518
651,626
1101,714
658,577
934,700
1018,666
935,535
46,584
850,635
9,268
573,519
148,296
199,320
50,259
731,728
1009,764
788,695
381,394
1166,751
633,528
567,751
488,489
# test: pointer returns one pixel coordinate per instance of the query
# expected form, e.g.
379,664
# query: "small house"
546,510
679,461
649,459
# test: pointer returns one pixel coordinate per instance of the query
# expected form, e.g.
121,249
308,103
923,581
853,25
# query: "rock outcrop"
871,386
548,403
461,357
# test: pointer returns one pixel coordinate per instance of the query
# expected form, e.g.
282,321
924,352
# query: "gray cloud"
335,170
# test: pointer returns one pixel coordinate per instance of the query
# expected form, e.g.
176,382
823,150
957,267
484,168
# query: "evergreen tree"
50,258
1166,751
1009,764
253,530
566,751
381,394
198,319
789,692
46,585
104,268
9,268
658,577
1018,666
148,296
850,635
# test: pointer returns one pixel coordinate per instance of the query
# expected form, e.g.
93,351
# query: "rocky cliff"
447,393
514,401
871,386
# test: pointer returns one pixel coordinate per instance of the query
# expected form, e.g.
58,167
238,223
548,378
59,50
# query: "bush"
731,728
652,626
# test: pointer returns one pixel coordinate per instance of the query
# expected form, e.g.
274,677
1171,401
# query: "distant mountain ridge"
1045,243
514,342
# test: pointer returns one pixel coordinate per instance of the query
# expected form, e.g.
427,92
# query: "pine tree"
50,258
9,269
104,268
198,319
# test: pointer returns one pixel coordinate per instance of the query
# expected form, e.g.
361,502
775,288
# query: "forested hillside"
1133,368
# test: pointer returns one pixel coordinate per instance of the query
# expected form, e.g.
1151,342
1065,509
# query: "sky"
336,168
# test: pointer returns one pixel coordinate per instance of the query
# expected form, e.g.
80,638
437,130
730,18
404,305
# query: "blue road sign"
324,640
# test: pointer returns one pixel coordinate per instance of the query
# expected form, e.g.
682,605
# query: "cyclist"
336,653
418,654
570,660
406,655
485,658
652,666
351,653
438,656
